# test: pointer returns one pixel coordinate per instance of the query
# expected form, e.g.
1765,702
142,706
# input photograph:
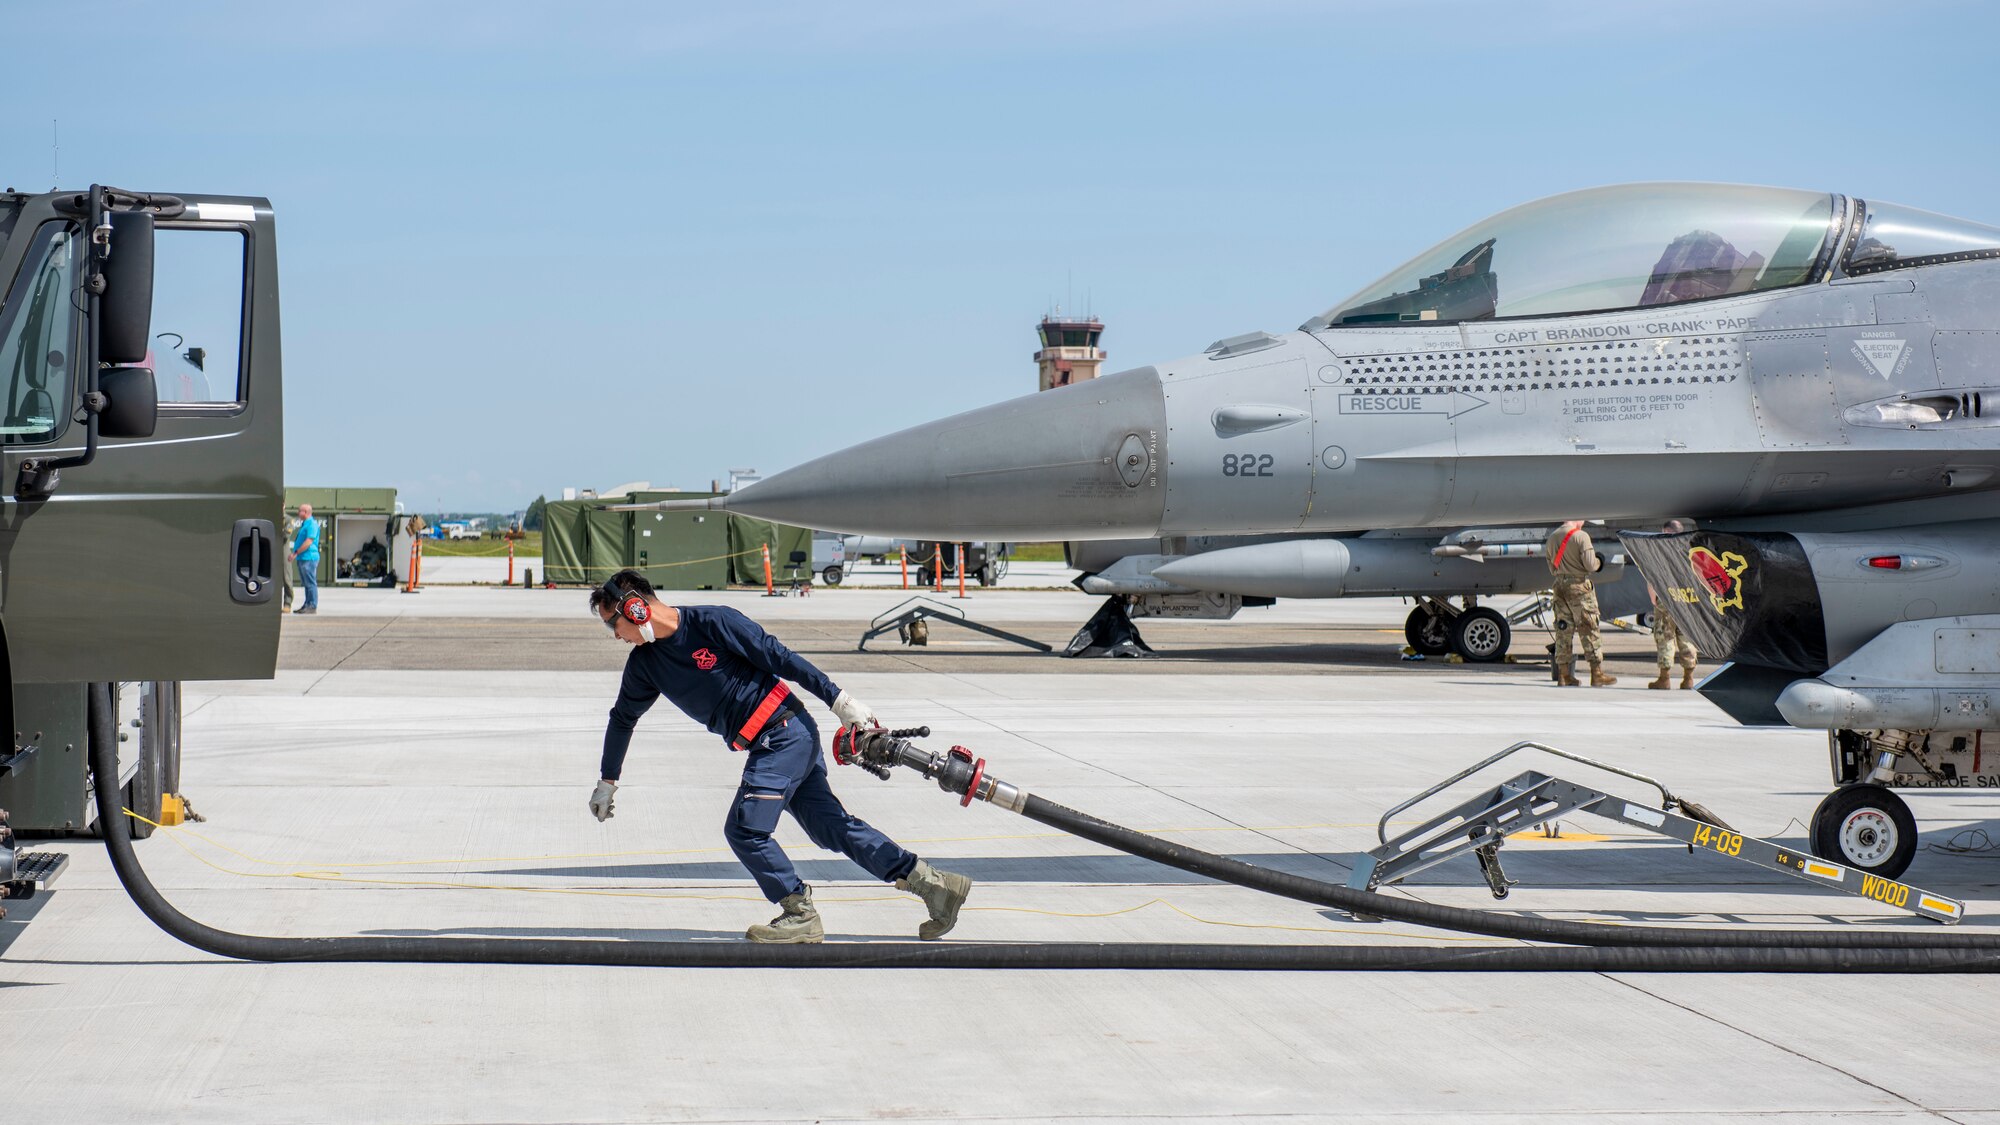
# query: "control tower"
1069,352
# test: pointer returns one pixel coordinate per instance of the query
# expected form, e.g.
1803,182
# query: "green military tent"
674,550
747,537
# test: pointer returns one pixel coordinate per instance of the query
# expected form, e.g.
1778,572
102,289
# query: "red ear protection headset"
631,606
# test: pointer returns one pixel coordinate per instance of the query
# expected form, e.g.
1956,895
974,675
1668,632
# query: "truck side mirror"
125,311
132,402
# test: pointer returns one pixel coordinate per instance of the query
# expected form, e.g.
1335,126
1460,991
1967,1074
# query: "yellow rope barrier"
648,566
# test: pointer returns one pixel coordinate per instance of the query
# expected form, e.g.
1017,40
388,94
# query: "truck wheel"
1427,632
142,793
832,575
165,727
1480,636
1866,827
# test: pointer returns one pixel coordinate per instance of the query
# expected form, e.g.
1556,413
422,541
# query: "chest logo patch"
704,659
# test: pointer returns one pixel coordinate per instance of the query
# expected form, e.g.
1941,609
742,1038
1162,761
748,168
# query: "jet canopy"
1631,246
1893,237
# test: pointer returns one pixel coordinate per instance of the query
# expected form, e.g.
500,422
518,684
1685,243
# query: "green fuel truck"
141,461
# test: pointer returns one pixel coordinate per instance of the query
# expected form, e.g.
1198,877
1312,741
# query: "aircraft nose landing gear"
1866,827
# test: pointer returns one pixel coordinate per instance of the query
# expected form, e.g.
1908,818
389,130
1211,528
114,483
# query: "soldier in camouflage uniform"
1669,645
288,525
1572,560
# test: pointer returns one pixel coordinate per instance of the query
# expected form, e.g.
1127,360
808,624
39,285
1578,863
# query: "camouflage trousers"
1575,612
1669,644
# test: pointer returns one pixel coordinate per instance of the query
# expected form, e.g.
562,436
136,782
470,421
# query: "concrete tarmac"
421,764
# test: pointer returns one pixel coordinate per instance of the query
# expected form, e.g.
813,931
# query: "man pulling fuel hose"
1618,948
724,671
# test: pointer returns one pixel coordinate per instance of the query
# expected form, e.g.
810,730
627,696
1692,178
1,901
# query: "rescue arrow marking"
1388,406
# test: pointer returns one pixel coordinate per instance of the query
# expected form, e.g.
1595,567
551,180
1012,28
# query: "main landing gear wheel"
1480,636
1429,633
1866,827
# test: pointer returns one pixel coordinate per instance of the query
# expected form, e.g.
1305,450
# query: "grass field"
530,547
1038,552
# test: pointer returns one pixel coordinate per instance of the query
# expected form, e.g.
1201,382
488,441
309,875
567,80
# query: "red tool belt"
771,704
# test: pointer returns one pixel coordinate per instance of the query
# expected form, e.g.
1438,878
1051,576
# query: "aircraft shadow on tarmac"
609,933
1614,866
1633,864
1109,869
1373,654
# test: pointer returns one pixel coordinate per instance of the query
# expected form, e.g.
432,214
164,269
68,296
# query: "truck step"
39,868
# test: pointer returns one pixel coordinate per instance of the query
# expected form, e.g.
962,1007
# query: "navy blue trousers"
786,773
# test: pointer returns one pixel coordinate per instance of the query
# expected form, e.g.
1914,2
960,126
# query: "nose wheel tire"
1865,827
1480,636
1427,632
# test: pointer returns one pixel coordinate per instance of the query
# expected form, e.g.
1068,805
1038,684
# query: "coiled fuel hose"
1592,947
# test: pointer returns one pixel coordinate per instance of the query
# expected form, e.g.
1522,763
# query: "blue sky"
529,245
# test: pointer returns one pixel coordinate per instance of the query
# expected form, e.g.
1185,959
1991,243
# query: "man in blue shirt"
305,548
725,672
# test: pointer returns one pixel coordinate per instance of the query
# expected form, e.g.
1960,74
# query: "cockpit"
1646,245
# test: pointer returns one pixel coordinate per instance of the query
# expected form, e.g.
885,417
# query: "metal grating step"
39,867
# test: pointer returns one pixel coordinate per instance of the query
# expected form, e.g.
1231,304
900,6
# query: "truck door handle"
253,550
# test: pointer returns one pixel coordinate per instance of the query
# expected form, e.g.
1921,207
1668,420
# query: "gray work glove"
600,799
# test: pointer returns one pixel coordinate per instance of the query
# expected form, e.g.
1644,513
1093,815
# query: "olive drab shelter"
363,540
679,550
582,545
747,536
566,542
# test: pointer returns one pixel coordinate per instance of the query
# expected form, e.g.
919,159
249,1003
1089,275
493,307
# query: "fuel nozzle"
852,747
956,771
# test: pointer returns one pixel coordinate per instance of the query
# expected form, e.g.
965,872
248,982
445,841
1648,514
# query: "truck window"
38,332
197,350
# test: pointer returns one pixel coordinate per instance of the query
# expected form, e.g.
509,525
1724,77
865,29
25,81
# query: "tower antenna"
55,152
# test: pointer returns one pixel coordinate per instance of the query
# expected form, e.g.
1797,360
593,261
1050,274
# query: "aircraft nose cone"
1078,462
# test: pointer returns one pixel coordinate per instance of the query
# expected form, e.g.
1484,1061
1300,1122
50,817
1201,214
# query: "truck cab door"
158,560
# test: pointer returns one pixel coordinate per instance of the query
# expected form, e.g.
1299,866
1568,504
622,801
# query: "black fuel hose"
112,823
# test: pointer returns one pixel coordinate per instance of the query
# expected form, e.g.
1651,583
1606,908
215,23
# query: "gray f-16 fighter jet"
1805,373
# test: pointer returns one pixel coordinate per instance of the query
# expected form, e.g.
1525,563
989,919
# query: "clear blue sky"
534,245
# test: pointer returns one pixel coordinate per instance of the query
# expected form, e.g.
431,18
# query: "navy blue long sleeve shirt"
716,668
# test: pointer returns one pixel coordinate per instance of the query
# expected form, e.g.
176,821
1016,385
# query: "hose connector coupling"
957,772
853,746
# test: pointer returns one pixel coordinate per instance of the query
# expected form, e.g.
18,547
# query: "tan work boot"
797,925
943,893
1663,683
1565,675
1598,678
1687,679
